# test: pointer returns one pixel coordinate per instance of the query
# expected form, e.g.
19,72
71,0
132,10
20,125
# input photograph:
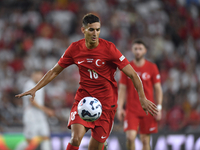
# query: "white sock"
46,145
22,145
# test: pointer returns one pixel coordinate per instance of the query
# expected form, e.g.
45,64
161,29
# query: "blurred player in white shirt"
36,128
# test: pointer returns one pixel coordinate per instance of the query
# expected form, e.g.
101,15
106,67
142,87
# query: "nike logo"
103,137
153,128
79,62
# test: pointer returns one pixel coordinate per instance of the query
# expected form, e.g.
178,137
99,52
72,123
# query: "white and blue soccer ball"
89,109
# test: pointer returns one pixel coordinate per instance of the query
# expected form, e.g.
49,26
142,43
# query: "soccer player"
97,60
134,117
36,128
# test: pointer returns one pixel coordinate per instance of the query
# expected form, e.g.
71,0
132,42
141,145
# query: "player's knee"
130,139
145,141
75,141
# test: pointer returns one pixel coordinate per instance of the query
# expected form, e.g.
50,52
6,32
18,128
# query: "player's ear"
83,30
145,50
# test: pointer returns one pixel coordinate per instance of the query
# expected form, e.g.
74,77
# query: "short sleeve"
156,74
66,59
117,57
123,78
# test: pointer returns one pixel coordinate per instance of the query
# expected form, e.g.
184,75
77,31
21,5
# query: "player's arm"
45,109
121,101
147,105
158,98
48,77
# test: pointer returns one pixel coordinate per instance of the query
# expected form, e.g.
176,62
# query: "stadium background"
35,33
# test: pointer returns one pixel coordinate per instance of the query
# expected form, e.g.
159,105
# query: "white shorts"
35,125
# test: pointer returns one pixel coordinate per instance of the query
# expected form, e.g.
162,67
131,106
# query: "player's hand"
159,115
120,114
49,112
30,92
149,106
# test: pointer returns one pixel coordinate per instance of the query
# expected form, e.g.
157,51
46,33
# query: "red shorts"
145,124
100,128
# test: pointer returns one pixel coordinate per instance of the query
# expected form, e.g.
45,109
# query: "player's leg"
30,131
130,139
46,143
105,146
148,125
77,133
102,130
78,128
34,143
131,124
21,146
95,145
31,135
44,132
145,139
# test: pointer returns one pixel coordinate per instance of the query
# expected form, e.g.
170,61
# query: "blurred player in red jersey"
134,117
97,60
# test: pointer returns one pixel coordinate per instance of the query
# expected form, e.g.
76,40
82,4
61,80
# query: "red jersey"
97,69
149,75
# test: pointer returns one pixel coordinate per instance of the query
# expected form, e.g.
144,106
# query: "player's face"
139,51
91,33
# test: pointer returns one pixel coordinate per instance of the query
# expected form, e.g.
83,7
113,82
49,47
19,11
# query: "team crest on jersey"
99,63
146,76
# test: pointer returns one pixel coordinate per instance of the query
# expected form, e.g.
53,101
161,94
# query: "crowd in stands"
35,33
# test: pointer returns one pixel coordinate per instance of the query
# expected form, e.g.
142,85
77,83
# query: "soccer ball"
89,109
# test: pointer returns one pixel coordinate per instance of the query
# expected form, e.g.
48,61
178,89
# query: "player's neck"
139,62
91,45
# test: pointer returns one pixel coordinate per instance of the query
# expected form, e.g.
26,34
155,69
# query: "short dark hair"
90,18
139,41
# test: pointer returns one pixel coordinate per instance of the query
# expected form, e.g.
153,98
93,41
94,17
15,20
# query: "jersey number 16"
93,74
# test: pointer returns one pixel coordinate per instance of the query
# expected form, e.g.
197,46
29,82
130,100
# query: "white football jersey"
39,98
34,120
